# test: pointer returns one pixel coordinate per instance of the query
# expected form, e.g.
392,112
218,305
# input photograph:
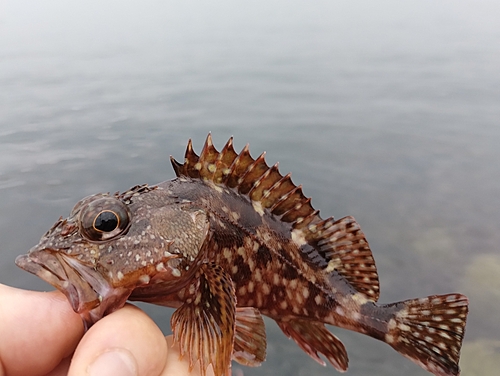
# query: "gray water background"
387,110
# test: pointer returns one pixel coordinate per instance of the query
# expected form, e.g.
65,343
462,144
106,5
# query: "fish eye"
104,219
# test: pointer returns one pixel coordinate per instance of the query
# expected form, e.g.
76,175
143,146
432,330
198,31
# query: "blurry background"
386,110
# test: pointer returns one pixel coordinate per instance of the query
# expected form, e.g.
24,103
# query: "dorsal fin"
341,247
337,246
251,177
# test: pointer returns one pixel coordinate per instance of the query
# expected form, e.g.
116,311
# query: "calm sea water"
382,110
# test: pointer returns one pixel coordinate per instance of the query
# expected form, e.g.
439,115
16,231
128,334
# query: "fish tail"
429,331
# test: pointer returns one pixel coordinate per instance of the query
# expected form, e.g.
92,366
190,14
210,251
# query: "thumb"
126,342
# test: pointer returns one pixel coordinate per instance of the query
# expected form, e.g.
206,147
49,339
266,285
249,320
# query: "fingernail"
113,362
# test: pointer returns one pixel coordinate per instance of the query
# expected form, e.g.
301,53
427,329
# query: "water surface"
387,111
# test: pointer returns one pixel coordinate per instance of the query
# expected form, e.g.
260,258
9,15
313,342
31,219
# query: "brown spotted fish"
228,240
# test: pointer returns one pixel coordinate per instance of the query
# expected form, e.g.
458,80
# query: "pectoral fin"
204,325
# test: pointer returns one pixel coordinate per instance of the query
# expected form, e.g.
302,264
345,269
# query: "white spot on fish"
257,206
404,327
228,255
160,267
257,277
242,290
305,292
359,298
389,338
318,299
256,246
332,265
298,237
241,251
235,216
176,272
391,324
266,289
250,286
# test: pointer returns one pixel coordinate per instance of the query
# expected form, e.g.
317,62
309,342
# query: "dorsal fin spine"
176,166
283,199
238,167
299,210
224,161
252,177
266,181
267,197
278,191
310,219
207,159
191,161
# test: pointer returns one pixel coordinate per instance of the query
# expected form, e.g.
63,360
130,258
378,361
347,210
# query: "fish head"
111,245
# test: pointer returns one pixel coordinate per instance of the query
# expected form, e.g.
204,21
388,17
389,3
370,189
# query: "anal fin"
204,325
250,337
314,338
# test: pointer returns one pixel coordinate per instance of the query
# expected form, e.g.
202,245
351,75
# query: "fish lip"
44,265
83,286
88,291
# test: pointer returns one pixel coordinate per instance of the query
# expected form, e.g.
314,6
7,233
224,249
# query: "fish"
228,240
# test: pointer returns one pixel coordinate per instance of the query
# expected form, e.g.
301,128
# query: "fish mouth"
88,292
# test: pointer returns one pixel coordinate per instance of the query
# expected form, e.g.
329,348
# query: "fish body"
230,239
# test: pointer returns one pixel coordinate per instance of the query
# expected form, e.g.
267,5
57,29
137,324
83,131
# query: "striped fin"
314,338
251,177
204,326
430,331
341,247
250,337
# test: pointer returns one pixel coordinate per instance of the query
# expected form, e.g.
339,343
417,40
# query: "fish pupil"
106,221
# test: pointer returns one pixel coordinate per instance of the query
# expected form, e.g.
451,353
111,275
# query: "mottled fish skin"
230,239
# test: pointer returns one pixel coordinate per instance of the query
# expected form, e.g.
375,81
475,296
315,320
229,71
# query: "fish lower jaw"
108,303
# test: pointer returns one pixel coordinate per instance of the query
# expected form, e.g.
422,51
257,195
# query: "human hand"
40,334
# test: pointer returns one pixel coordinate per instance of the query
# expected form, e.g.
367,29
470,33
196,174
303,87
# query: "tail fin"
429,331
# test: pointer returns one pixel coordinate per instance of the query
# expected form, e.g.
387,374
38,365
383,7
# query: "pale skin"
42,336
